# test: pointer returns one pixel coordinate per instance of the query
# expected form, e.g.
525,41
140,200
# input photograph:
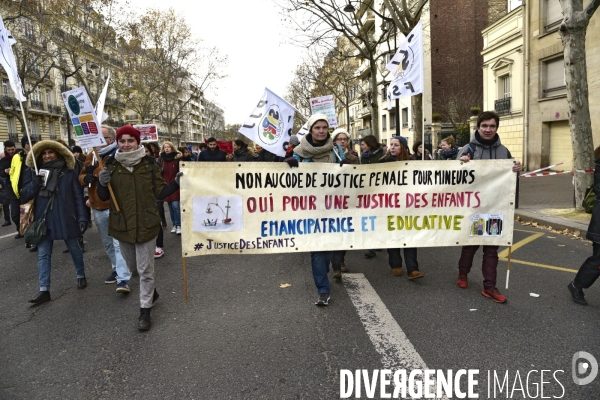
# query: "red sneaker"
494,294
158,252
462,281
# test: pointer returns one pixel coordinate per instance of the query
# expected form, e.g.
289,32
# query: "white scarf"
131,158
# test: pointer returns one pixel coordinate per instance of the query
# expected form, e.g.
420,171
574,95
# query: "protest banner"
82,114
148,132
325,105
233,208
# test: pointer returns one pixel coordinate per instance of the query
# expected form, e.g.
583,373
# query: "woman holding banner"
318,146
58,199
134,221
398,151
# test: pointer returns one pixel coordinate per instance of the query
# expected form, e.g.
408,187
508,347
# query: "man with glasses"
89,176
485,145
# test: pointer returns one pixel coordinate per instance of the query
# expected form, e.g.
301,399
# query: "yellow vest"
15,174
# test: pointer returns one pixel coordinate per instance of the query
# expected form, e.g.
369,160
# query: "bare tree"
322,22
573,32
215,121
406,15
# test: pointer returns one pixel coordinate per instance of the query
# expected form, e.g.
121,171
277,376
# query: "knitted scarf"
130,159
108,150
54,168
449,154
318,152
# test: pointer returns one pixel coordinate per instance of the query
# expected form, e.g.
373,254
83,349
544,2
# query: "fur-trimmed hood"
58,148
178,154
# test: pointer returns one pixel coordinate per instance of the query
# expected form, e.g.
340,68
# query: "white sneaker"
158,252
179,230
174,229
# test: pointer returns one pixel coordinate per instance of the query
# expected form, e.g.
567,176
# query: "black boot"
42,297
144,320
577,294
81,283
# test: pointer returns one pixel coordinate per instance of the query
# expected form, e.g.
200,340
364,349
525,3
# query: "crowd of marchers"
122,188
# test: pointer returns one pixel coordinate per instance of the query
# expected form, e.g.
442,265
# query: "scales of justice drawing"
222,213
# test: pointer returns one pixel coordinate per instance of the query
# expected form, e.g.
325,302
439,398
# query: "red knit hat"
128,130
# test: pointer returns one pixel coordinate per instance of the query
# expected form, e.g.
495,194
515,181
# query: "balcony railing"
37,105
10,102
131,117
56,110
14,136
35,137
363,132
502,106
363,112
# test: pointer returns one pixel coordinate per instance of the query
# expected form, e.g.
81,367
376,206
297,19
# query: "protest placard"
325,105
148,132
233,208
82,115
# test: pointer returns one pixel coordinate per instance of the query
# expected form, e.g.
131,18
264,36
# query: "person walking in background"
212,153
101,209
418,152
241,151
136,183
317,146
589,271
449,150
9,151
289,152
169,160
58,195
159,251
485,145
371,154
398,151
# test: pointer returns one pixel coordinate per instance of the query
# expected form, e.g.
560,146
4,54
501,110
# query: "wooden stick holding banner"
185,297
101,165
508,266
28,138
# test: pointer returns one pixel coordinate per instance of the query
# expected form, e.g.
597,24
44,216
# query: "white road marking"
389,340
10,234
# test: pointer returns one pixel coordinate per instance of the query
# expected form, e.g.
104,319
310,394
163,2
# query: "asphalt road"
242,336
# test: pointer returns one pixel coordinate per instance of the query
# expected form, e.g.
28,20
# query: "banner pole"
28,137
508,266
185,296
112,195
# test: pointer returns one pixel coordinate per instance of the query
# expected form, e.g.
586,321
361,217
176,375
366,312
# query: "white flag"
270,124
100,114
7,59
407,67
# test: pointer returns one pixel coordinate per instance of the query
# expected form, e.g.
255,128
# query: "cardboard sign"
236,208
82,115
148,132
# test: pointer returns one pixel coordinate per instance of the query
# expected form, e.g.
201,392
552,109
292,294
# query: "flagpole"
423,97
28,137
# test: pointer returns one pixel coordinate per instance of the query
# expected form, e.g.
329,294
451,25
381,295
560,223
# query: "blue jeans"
175,212
319,261
111,246
45,258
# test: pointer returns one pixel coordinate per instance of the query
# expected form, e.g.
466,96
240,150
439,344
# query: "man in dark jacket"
213,153
16,175
485,145
589,270
9,152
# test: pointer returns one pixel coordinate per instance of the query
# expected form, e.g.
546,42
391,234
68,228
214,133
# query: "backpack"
589,200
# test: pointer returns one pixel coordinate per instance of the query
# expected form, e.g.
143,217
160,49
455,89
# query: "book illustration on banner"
222,213
486,225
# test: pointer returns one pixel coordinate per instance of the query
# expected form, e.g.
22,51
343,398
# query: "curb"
558,223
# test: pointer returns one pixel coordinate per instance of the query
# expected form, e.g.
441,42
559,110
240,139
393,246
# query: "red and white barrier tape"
532,175
549,167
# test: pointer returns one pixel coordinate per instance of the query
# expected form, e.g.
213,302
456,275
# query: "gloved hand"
83,225
89,179
178,176
292,162
39,179
104,177
90,169
344,161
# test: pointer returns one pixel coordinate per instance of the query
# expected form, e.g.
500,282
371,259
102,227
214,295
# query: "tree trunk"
573,32
373,104
417,116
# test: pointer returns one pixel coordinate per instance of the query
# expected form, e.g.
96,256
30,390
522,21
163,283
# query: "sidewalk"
548,192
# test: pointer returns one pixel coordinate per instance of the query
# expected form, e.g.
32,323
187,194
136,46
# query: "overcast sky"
250,33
